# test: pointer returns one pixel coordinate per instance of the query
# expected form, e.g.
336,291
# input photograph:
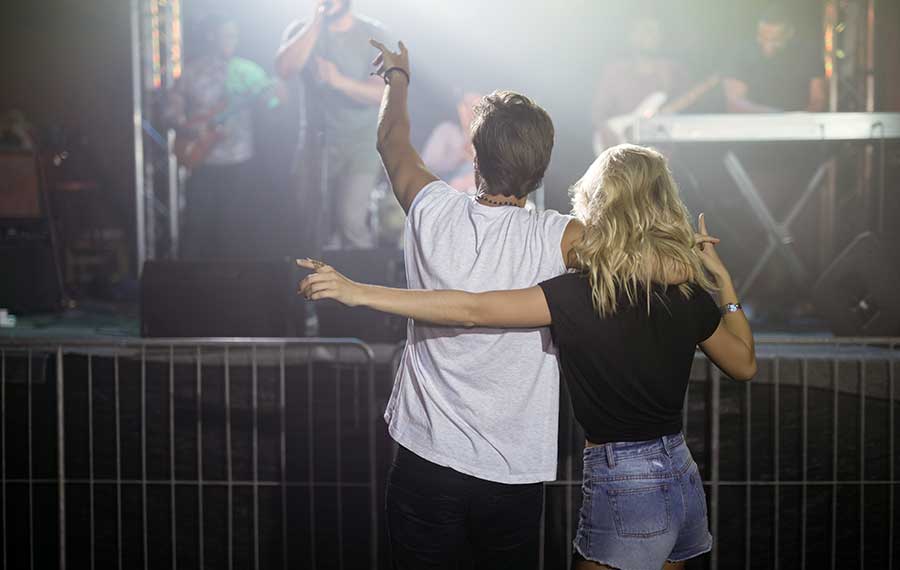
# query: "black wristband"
395,68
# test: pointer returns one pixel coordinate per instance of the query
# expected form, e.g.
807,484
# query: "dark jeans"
438,517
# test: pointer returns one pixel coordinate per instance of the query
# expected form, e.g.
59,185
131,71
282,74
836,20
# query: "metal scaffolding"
157,50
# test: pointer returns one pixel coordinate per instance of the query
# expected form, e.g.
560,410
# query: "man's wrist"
392,73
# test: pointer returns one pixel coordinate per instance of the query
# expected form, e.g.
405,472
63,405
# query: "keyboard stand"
779,236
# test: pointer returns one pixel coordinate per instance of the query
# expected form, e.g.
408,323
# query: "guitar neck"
689,98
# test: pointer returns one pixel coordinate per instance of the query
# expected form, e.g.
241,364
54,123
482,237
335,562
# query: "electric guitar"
652,105
200,134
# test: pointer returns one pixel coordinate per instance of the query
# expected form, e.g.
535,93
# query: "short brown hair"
513,140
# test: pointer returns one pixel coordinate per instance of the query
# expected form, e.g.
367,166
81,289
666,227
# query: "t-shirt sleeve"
564,295
706,313
814,64
429,207
554,227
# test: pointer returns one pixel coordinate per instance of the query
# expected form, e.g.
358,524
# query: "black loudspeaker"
29,283
857,294
383,266
218,299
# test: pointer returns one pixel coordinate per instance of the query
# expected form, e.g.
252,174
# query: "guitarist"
216,200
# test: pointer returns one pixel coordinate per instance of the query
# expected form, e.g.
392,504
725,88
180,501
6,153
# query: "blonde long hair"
636,227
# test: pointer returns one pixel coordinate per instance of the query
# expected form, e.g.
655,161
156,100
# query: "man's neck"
496,201
341,24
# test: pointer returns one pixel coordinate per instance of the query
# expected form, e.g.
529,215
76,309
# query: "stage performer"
328,58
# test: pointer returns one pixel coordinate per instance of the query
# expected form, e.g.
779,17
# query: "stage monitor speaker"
29,283
218,299
857,294
382,266
19,189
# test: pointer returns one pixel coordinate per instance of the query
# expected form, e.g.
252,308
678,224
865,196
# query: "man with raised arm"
474,411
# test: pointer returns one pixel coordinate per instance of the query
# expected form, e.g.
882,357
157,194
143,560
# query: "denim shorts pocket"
640,512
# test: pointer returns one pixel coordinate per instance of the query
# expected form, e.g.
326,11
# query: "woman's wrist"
362,294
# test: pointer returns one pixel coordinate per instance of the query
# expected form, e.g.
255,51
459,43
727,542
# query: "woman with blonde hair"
627,325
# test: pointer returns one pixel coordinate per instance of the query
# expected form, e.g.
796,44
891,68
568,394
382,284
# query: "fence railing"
249,453
206,453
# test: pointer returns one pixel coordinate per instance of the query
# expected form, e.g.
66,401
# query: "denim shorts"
643,504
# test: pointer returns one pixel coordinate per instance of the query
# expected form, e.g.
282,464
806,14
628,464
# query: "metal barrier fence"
188,453
248,453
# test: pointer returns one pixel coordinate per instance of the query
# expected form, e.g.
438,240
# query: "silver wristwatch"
730,308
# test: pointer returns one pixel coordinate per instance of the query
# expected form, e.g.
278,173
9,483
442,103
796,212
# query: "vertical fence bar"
356,397
228,466
569,503
891,395
542,532
174,529
862,463
30,472
283,458
201,550
777,462
3,457
804,458
714,455
144,517
118,460
834,462
91,450
373,476
255,443
339,487
61,453
310,442
748,475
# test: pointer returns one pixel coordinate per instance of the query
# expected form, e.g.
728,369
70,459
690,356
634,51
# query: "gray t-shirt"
481,401
349,126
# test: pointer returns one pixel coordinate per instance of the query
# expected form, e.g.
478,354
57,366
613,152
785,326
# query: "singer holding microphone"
329,59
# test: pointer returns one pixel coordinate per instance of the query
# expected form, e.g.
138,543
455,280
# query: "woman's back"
627,372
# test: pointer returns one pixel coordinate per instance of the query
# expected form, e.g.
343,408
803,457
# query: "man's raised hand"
387,59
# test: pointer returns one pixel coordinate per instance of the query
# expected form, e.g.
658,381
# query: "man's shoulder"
436,192
554,217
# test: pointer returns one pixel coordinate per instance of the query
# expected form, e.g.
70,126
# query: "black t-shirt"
627,373
782,81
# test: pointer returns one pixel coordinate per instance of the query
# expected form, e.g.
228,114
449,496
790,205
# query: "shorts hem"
591,559
700,552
